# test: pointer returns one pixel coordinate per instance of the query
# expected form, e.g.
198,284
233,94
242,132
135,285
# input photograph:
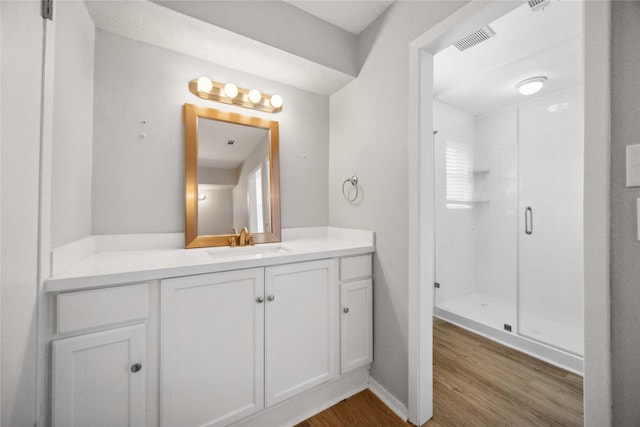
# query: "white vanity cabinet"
245,337
301,336
228,337
98,377
356,317
212,347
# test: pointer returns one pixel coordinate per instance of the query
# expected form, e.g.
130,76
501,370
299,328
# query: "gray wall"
218,176
215,213
72,124
625,249
369,138
258,156
138,183
21,32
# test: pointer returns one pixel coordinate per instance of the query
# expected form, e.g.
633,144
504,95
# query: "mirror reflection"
231,177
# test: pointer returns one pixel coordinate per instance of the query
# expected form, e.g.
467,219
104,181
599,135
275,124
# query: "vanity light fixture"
229,93
276,101
531,85
204,84
230,90
255,96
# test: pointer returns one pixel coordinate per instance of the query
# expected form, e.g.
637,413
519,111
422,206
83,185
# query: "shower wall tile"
455,242
495,221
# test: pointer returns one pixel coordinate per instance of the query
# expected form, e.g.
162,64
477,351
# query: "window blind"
459,176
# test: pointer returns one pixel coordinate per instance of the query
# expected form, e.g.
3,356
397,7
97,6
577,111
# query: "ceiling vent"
537,5
477,37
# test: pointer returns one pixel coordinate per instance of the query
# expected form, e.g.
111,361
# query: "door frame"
597,335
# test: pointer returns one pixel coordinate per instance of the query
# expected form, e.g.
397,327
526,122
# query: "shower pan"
509,224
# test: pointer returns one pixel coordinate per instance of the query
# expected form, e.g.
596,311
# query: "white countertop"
113,267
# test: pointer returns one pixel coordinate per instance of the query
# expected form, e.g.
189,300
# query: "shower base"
487,315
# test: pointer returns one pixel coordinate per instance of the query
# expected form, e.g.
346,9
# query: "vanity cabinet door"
301,327
99,379
212,334
356,325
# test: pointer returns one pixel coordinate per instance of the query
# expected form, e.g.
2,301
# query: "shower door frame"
596,77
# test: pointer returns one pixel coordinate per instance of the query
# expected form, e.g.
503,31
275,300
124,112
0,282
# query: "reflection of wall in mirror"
215,212
258,158
218,176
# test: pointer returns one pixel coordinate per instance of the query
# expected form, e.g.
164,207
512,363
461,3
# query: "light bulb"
255,96
204,84
531,86
231,90
276,101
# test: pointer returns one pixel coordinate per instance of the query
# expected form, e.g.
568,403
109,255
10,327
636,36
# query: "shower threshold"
492,314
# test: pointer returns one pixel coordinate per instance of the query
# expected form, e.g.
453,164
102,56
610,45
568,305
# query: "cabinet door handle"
137,367
346,309
260,300
528,220
271,297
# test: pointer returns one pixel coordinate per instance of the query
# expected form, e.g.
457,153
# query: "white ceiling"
353,15
151,23
215,152
526,44
159,25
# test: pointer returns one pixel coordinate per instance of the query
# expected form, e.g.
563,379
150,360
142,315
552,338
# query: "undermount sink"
248,252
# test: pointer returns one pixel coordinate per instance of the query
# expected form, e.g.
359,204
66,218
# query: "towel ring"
354,183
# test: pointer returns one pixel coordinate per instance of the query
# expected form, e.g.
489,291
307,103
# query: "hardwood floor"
477,382
362,409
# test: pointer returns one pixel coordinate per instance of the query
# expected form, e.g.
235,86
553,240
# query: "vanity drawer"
355,267
102,307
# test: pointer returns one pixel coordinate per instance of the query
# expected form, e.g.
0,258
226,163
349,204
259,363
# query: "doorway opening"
422,256
509,182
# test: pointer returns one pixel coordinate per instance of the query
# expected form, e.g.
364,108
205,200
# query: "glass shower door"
475,204
455,260
550,181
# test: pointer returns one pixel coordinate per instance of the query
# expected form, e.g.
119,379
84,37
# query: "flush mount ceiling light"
531,86
229,93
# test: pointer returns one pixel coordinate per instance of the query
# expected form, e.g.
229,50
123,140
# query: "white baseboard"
389,399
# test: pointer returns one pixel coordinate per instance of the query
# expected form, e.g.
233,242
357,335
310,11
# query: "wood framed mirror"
232,177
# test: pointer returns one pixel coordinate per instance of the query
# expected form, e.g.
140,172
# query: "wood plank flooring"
477,382
362,409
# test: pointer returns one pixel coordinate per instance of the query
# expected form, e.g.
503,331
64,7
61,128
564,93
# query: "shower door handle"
528,220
